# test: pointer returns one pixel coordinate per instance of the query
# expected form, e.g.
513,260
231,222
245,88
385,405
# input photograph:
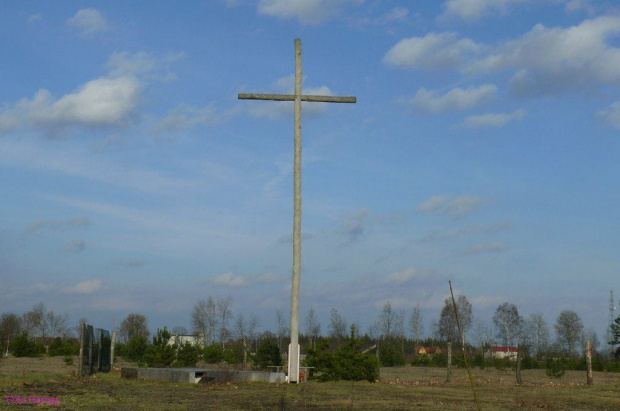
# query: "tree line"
213,322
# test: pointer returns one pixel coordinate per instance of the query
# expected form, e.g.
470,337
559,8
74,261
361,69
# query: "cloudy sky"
483,149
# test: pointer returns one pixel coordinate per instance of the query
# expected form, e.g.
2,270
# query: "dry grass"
399,388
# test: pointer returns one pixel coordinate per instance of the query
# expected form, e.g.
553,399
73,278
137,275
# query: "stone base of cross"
298,97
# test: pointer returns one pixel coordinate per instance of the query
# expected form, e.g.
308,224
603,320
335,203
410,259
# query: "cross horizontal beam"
291,97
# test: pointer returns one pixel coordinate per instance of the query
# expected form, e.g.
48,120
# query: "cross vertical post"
293,359
297,97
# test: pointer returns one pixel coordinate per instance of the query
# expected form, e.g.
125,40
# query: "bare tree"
33,321
282,328
508,323
313,327
416,325
390,322
134,324
482,335
337,326
537,334
57,323
205,320
180,330
252,326
568,329
9,328
241,331
590,335
447,327
225,312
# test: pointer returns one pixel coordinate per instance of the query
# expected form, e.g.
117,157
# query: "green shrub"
188,355
119,349
501,364
390,355
347,363
160,354
135,348
555,368
68,359
234,355
421,361
213,353
23,346
267,354
67,347
529,363
478,361
439,360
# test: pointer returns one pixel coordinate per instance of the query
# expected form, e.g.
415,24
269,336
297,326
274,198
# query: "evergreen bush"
160,354
23,346
213,354
267,354
347,363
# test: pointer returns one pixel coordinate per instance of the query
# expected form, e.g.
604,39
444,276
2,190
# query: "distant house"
502,352
430,351
180,340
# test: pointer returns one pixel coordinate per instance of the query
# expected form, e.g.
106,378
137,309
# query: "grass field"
398,389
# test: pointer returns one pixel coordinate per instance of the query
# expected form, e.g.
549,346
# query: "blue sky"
483,149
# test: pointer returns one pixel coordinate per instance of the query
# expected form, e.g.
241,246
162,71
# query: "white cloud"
184,117
551,60
230,279
143,65
84,287
306,11
430,101
402,277
612,115
543,61
435,51
448,204
106,102
88,22
492,119
472,10
573,6
392,15
100,102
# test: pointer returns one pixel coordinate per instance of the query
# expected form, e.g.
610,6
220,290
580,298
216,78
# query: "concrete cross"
293,355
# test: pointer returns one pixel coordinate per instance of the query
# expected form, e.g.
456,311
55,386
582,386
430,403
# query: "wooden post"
245,352
449,376
590,377
112,344
519,358
99,347
82,343
293,363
